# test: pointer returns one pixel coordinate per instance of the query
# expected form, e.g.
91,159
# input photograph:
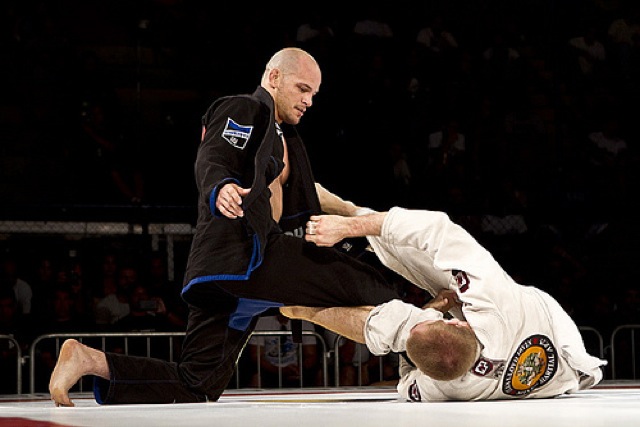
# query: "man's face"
127,277
62,303
294,92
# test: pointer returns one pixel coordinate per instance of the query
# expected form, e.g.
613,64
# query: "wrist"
360,211
365,225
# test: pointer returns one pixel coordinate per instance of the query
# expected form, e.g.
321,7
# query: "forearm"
333,204
367,225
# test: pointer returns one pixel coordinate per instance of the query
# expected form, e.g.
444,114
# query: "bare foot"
75,361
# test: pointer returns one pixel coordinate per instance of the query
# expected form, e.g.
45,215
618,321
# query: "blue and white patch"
236,134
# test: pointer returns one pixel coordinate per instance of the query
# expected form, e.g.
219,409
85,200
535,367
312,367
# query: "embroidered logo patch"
414,392
488,368
533,365
462,280
236,134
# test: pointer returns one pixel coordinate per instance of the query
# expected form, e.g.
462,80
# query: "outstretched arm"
349,321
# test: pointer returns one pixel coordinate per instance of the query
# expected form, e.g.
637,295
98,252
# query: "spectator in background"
72,275
446,146
436,49
608,142
61,317
10,278
115,306
624,36
146,313
279,358
159,286
370,41
105,280
588,58
501,70
373,23
436,37
43,282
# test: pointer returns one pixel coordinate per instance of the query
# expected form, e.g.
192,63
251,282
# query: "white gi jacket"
530,347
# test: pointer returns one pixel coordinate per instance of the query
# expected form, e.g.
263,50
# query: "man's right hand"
327,230
444,301
229,201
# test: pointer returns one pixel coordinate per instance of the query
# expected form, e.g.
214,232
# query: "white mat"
610,405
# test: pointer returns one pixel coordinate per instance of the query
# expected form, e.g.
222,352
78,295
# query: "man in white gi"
525,345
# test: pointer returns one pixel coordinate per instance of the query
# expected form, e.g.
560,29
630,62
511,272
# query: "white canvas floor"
610,404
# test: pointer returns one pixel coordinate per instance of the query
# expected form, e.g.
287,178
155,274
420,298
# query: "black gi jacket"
241,144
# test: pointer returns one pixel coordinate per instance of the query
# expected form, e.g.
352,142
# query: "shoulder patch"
533,365
462,280
414,392
490,368
236,134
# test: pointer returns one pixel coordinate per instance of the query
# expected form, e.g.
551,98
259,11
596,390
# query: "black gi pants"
293,272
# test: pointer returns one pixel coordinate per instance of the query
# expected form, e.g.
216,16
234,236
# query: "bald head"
292,77
289,60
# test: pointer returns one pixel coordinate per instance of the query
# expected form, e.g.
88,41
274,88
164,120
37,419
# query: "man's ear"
274,78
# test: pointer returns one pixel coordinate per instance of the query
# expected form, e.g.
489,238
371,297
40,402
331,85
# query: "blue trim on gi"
256,259
97,392
255,262
247,309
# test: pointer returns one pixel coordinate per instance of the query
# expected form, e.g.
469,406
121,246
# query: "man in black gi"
256,193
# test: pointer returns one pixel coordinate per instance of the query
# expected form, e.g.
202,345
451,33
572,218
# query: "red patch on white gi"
414,392
462,280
